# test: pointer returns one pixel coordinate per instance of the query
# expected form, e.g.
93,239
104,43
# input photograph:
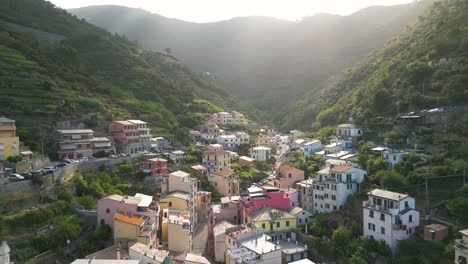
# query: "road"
200,239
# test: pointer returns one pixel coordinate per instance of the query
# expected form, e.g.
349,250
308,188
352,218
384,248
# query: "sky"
215,10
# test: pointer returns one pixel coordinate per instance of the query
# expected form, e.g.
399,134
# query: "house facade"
389,217
216,160
225,182
312,147
9,142
334,185
131,228
287,176
348,130
230,209
78,143
127,137
260,153
153,167
461,247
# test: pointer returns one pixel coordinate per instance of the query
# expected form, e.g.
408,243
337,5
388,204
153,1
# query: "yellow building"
265,140
131,229
272,220
176,230
9,142
175,200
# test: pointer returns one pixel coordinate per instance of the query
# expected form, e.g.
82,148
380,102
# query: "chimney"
118,253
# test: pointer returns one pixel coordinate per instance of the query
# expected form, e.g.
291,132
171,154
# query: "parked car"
38,171
113,156
61,164
91,158
27,175
15,177
83,159
48,170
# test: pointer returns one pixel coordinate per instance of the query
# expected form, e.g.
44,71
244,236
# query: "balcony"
380,208
461,245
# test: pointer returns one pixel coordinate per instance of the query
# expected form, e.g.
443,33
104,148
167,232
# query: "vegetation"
59,68
397,78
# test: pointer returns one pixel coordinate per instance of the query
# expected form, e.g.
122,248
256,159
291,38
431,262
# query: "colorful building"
225,182
286,176
78,143
203,204
131,228
257,198
216,160
176,230
260,153
127,136
229,209
273,220
153,167
9,142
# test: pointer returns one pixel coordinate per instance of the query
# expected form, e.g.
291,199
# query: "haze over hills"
55,67
261,58
424,67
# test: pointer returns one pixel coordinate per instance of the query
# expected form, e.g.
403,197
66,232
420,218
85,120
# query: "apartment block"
78,143
389,217
9,142
461,247
154,167
287,176
216,160
260,153
133,228
225,182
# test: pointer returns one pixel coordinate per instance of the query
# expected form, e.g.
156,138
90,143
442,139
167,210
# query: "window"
277,224
107,210
263,226
102,222
289,175
170,204
382,217
333,197
410,219
371,214
300,220
371,227
382,230
287,223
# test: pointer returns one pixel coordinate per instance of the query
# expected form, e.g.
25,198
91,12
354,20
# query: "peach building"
288,176
225,182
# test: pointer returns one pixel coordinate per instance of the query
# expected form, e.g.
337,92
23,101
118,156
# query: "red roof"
215,152
286,169
341,168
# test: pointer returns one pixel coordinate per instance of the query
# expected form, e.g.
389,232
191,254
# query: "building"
139,204
312,147
159,144
148,255
195,259
295,134
216,160
78,143
182,182
210,128
265,140
214,147
9,142
153,167
127,137
177,156
258,198
234,140
176,230
274,221
389,217
203,204
176,200
229,209
287,176
334,185
305,190
145,133
198,169
132,228
348,130
4,253
302,216
246,161
106,261
219,231
225,182
222,118
435,232
461,248
260,153
239,119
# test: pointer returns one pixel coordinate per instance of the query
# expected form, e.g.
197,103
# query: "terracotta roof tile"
341,168
129,219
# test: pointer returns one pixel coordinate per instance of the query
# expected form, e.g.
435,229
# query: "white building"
214,147
4,253
216,160
461,248
310,148
334,185
219,231
260,153
177,156
392,156
147,255
348,130
234,140
389,216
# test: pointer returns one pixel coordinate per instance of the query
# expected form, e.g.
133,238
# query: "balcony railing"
461,245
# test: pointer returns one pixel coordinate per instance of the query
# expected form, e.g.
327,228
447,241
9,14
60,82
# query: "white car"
15,177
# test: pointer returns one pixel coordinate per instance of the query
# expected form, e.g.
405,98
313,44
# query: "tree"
341,239
357,259
376,164
458,208
393,180
43,242
88,202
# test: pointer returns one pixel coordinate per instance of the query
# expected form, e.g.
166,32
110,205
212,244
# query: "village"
234,195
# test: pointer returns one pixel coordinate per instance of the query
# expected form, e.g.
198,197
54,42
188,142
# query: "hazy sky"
214,10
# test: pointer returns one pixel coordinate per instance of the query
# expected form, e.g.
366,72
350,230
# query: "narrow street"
200,239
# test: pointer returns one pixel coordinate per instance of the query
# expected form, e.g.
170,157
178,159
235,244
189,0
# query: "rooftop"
196,259
124,122
130,219
220,228
288,169
388,194
125,199
146,200
109,253
106,261
312,142
158,159
215,152
464,232
198,167
341,168
437,227
137,122
295,210
153,253
302,261
177,194
258,243
346,125
180,174
246,158
223,173
178,152
76,131
261,148
6,120
269,213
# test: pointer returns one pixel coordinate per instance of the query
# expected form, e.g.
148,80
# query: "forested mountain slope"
426,66
268,61
55,67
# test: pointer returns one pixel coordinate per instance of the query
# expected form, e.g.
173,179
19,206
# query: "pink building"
139,204
152,167
265,196
288,176
126,135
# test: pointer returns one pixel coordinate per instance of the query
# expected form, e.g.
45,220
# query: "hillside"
263,59
55,67
398,77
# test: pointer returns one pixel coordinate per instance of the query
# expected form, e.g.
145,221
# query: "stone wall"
27,165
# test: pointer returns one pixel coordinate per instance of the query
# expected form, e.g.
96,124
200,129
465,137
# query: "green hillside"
398,78
55,67
262,59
